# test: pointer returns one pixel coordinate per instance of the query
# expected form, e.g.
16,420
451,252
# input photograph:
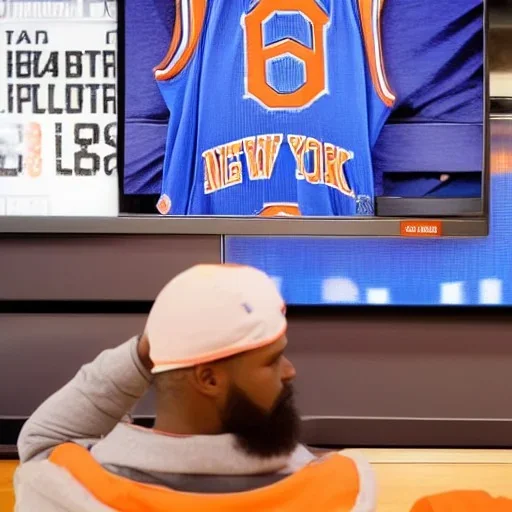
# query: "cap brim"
167,366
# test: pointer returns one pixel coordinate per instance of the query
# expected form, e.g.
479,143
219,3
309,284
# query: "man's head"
217,337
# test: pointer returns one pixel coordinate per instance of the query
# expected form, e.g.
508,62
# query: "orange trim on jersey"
197,15
331,484
176,38
372,38
280,210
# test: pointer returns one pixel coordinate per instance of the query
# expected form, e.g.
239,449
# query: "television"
462,272
312,118
322,118
466,272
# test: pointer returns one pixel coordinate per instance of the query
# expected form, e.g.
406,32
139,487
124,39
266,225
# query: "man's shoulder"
43,486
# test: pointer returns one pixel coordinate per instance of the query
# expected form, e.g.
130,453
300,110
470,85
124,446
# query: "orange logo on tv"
426,228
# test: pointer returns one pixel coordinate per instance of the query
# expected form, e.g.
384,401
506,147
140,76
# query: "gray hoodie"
91,410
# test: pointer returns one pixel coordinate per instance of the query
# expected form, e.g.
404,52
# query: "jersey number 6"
258,54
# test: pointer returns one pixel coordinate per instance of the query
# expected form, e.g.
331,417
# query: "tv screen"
456,272
463,272
353,117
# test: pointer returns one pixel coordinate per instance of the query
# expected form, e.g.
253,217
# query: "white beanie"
212,311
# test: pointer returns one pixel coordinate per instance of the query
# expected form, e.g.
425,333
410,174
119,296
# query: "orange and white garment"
463,501
72,480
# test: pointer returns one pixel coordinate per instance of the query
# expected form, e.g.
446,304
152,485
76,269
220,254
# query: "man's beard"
259,432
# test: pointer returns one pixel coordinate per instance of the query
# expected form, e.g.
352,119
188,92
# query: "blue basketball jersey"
274,106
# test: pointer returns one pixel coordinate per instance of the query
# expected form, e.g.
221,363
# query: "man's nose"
288,370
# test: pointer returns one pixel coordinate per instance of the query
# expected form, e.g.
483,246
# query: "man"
225,423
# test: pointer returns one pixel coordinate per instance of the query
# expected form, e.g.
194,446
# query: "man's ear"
210,379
